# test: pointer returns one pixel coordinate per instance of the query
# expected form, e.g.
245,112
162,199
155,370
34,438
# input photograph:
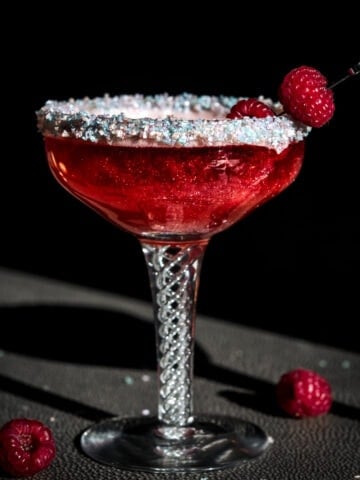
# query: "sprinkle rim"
116,121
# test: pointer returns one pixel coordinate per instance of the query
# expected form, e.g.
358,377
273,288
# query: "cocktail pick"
352,71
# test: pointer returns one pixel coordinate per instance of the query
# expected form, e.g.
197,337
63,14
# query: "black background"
290,267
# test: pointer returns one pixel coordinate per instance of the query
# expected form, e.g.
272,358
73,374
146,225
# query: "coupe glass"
173,171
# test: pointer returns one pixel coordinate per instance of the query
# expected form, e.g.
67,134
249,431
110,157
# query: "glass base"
209,443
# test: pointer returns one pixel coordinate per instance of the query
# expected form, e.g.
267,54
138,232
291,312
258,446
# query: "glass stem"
174,278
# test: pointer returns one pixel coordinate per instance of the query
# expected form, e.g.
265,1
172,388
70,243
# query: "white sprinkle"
145,412
271,440
25,408
46,388
323,363
145,378
52,419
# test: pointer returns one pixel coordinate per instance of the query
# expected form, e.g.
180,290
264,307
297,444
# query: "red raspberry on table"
251,107
26,447
304,95
303,393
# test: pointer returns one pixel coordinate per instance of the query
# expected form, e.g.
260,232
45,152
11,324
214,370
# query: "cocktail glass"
173,171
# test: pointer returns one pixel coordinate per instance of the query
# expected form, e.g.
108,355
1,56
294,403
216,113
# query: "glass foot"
210,443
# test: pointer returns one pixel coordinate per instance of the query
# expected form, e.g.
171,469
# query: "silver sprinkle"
128,380
323,363
346,364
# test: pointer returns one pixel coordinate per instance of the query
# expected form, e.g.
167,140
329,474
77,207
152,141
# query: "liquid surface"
190,192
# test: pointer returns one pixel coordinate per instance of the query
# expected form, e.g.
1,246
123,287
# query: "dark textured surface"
47,374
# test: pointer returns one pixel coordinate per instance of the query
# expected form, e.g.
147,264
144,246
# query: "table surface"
47,373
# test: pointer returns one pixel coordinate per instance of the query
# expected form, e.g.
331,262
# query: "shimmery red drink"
173,171
172,191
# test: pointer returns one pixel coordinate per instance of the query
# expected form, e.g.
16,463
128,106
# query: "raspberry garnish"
26,447
304,95
250,107
303,393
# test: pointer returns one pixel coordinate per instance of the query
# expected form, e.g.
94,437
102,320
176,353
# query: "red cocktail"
173,171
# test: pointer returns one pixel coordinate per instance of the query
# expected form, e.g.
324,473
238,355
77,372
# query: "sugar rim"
116,121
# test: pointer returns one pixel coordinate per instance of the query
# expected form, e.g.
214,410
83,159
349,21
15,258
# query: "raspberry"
26,447
304,95
303,393
250,107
